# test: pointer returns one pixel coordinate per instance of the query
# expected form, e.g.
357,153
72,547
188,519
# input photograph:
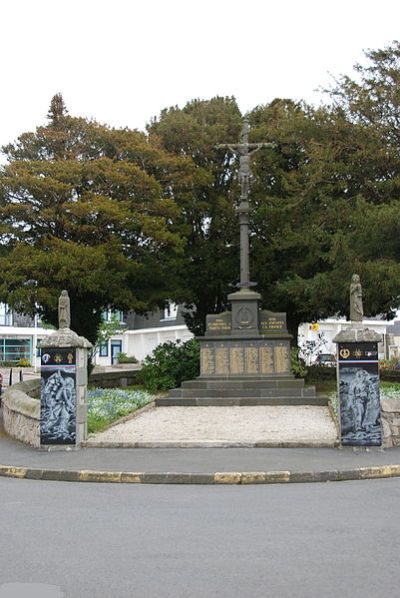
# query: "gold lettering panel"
237,360
207,360
251,360
281,354
221,361
266,360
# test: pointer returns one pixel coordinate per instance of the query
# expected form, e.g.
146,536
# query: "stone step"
239,402
244,383
188,393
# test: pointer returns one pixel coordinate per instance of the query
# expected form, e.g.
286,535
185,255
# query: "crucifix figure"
244,150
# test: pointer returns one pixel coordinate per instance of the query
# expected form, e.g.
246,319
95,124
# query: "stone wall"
390,415
21,413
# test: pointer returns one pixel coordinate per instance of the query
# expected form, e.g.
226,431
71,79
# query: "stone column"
358,386
63,412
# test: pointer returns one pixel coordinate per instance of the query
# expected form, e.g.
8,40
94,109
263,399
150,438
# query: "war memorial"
245,353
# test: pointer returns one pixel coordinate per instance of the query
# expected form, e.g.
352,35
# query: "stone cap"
65,337
244,294
357,335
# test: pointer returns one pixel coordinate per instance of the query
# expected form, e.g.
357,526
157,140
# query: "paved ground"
219,426
298,541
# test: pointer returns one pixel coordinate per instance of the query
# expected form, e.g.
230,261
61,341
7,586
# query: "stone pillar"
63,407
358,386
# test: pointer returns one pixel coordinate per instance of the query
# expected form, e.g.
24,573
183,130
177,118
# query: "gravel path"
265,424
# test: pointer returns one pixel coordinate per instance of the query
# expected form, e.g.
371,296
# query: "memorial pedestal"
358,386
63,407
244,360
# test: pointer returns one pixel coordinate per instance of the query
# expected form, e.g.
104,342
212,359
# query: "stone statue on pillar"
356,305
64,311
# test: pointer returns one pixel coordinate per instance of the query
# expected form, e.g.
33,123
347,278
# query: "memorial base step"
240,401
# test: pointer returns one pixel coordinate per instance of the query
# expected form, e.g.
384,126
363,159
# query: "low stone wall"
21,413
390,415
109,379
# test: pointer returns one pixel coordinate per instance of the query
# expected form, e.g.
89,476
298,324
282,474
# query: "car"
325,360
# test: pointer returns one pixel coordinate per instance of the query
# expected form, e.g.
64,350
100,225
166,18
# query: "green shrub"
124,358
170,364
317,373
298,366
24,362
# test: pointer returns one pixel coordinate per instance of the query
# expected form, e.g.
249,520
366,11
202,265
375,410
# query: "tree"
207,218
87,208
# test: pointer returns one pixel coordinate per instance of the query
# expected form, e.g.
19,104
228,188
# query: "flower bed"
106,405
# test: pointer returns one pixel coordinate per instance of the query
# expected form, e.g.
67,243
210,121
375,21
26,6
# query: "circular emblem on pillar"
244,318
345,353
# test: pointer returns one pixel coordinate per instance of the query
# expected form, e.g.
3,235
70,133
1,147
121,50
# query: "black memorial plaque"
219,324
58,396
358,377
272,323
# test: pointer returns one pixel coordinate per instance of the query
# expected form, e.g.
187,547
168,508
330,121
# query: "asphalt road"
122,541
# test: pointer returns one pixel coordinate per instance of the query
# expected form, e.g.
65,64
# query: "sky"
122,61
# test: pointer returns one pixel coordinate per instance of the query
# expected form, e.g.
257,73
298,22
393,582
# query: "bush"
317,373
124,358
24,362
298,366
170,364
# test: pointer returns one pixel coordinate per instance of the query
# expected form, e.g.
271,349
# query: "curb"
209,444
227,477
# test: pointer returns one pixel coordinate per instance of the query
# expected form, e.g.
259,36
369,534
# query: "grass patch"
106,405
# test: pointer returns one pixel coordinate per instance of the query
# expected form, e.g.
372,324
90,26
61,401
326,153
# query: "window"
170,311
6,316
103,351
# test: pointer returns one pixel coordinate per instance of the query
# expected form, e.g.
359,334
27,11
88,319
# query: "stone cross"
244,150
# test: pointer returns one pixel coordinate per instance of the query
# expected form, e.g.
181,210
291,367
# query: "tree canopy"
87,208
128,219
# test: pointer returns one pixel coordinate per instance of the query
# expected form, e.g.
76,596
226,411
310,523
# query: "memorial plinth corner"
358,386
63,406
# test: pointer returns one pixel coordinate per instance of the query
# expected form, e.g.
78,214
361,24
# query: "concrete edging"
226,477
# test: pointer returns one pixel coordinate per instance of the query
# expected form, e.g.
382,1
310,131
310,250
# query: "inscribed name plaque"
266,360
207,360
251,360
237,360
281,359
222,361
358,381
58,396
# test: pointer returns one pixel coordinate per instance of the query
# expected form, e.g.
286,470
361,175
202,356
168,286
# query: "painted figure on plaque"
356,305
64,310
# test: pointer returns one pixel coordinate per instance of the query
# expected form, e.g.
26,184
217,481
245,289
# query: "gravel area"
265,424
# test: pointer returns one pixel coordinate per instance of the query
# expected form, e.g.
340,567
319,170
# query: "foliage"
388,364
24,362
87,208
107,405
170,364
298,366
124,358
317,373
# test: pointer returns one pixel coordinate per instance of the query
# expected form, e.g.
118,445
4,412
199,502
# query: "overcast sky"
122,61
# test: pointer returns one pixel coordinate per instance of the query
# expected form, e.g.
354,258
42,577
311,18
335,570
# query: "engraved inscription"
221,361
251,360
219,325
266,360
207,361
237,360
281,355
